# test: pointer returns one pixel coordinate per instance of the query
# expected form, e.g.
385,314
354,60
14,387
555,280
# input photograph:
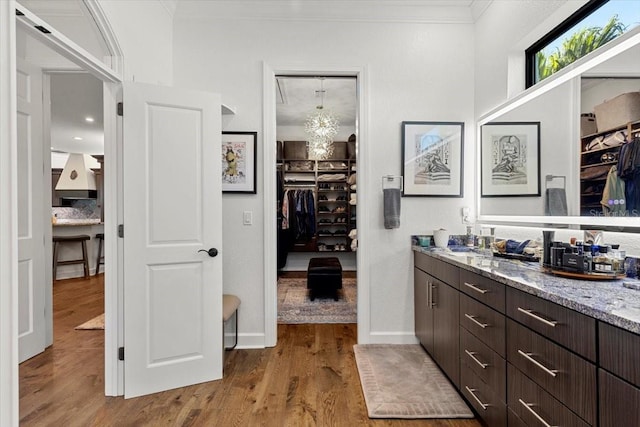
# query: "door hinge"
120,109
120,230
120,353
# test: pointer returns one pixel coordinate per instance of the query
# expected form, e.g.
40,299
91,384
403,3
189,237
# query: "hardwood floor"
308,379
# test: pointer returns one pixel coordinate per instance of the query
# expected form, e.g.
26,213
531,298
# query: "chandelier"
321,126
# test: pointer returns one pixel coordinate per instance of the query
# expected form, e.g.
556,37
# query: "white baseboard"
392,338
250,341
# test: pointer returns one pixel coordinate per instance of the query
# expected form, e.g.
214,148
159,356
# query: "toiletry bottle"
470,238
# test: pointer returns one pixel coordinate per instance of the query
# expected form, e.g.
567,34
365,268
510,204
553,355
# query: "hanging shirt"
613,196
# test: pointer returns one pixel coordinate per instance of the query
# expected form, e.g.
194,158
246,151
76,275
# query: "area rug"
401,381
294,305
95,323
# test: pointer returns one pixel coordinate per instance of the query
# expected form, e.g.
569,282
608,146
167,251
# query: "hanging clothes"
298,214
629,171
613,197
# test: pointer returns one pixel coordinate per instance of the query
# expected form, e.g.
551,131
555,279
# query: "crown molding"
398,11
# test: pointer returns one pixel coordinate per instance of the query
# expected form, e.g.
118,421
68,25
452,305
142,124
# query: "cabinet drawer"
560,324
488,365
483,289
479,395
513,420
534,406
566,376
619,352
485,323
439,269
619,402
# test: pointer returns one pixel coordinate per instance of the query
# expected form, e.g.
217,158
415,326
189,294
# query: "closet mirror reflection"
557,105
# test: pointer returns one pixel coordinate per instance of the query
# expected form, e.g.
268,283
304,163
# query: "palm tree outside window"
592,26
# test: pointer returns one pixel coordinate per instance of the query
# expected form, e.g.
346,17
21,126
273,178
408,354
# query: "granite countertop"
606,300
76,222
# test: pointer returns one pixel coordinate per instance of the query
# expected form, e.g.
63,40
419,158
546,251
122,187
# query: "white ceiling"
75,96
297,97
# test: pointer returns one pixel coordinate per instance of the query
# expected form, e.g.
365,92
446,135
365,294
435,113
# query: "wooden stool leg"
55,260
85,259
99,256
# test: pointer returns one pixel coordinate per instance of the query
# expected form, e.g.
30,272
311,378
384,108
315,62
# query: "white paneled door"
172,217
31,267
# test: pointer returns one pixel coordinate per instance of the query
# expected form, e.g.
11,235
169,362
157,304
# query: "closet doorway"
316,167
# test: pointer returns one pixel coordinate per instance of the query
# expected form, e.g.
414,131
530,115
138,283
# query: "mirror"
557,104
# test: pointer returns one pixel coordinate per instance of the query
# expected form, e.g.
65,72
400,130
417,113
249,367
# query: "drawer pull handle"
472,355
527,356
471,392
475,288
534,413
473,319
530,313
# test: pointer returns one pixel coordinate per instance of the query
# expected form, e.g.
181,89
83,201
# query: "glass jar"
631,267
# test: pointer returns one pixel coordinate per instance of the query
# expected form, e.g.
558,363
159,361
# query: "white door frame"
9,394
270,209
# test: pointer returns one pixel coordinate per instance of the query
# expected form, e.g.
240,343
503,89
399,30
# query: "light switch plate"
247,218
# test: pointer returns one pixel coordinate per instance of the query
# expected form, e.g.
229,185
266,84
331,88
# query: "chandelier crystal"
321,126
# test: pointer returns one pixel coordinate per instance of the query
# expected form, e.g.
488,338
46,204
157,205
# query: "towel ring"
392,181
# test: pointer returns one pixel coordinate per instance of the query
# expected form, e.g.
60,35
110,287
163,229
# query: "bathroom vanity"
528,348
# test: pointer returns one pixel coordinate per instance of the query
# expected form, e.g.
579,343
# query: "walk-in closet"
317,198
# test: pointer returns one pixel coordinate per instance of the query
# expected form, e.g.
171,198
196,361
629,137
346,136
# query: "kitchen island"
70,227
528,348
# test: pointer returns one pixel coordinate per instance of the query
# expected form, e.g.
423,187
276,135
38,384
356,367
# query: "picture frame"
432,158
510,159
238,157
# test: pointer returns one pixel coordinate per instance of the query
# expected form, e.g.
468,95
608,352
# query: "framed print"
510,159
239,162
432,155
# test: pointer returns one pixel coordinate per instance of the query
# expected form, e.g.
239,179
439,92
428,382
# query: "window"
593,25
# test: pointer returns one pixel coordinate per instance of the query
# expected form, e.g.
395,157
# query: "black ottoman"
324,276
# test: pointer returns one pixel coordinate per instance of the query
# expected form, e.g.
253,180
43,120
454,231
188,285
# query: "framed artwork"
239,162
432,156
510,159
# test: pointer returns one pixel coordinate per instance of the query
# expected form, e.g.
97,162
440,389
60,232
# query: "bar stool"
80,238
100,259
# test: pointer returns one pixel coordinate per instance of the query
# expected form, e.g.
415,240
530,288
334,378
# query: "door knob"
212,252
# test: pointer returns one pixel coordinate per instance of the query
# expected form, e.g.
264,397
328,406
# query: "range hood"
76,179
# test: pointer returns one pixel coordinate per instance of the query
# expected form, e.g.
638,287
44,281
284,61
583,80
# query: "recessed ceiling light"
89,119
77,138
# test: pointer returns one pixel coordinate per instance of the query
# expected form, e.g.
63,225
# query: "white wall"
415,72
558,156
502,33
145,33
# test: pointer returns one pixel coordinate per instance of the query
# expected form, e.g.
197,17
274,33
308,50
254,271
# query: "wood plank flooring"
308,379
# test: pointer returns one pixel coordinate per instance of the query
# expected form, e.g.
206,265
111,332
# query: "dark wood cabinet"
563,374
422,309
55,176
488,365
534,405
524,360
483,322
620,352
569,328
436,319
446,329
487,404
483,289
619,402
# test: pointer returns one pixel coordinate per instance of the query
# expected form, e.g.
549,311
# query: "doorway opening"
52,54
316,197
